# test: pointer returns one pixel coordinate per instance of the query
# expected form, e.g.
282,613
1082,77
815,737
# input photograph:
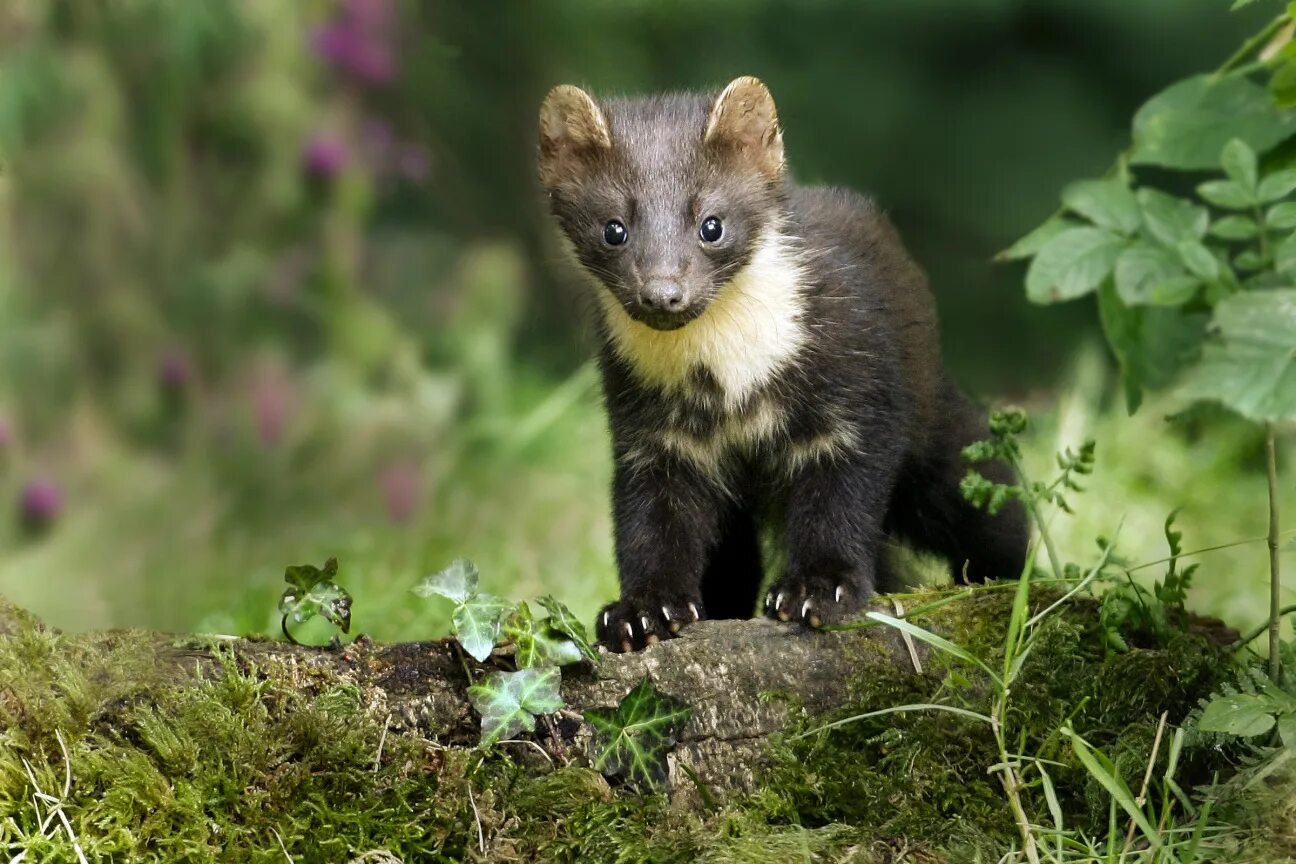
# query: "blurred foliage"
276,282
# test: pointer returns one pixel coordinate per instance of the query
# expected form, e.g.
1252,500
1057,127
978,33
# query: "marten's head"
666,199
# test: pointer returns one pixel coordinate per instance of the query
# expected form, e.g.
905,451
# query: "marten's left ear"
743,118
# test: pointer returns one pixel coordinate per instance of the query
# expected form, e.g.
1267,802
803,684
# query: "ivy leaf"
1143,269
1227,194
565,622
1169,219
632,740
508,702
533,643
1240,165
1187,125
1251,366
1235,228
1277,185
477,623
457,582
312,592
1107,203
1282,216
1241,714
1072,264
1032,243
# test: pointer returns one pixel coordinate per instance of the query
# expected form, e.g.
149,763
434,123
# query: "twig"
908,640
382,739
1147,780
481,837
282,847
1275,581
532,744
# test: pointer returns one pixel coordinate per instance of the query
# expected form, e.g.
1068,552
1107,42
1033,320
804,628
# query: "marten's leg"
666,515
734,573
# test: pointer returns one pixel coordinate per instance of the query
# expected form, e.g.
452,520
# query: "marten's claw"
810,602
624,626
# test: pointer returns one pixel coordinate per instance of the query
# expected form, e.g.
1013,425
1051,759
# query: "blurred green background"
276,282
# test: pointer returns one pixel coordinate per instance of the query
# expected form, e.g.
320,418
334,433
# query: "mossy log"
743,681
226,747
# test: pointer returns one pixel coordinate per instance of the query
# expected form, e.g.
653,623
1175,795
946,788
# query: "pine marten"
769,360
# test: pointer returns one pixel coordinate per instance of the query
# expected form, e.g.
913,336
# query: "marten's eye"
614,233
712,230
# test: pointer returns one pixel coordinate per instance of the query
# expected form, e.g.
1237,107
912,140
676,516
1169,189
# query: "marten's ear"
572,127
743,118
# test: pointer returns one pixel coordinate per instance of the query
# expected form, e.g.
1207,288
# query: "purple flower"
174,371
273,404
400,485
413,162
360,41
324,156
40,504
6,433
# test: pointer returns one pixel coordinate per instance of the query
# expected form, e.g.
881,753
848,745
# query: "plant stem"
1032,503
1254,44
1275,583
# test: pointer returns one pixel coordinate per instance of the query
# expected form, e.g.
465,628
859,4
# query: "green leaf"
1287,730
1250,365
477,622
1235,228
1284,255
1277,185
1102,770
457,582
1241,714
631,741
533,643
312,592
1227,194
1198,259
1072,264
1106,203
1282,215
1187,125
1152,343
1032,243
565,622
508,702
1240,165
1142,268
1169,219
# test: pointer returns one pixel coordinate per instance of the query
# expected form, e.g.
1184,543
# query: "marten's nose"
662,295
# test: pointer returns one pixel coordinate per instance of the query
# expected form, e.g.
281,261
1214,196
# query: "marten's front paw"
628,625
813,602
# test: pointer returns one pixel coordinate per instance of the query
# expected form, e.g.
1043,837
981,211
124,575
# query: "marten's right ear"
572,128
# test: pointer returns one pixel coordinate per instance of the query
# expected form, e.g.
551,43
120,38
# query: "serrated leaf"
565,622
477,623
1152,343
633,739
1240,165
1169,219
1282,215
457,582
1226,194
1277,185
312,592
509,702
1198,259
1107,203
1072,264
1241,714
1141,268
1250,364
1235,228
1030,244
1187,125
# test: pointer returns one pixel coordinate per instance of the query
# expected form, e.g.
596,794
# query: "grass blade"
898,709
935,641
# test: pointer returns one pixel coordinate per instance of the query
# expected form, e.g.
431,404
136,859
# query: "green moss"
244,768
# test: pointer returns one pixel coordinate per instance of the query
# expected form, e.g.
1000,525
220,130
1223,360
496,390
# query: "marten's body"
770,358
